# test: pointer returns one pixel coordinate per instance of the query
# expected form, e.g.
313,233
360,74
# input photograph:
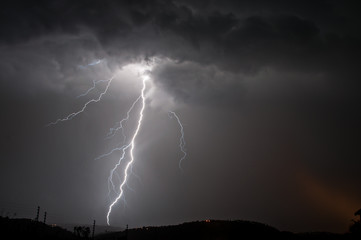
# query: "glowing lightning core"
131,145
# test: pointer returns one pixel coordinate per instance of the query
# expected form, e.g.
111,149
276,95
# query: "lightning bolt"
94,100
115,129
182,142
127,149
93,87
131,146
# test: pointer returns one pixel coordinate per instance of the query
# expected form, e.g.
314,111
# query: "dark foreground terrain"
30,229
216,229
207,230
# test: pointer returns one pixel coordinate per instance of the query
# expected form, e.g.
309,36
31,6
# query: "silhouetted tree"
358,213
76,231
83,232
355,228
86,232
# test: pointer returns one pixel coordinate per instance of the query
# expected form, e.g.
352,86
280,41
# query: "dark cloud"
238,37
195,83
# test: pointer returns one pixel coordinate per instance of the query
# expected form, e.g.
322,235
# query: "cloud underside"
215,50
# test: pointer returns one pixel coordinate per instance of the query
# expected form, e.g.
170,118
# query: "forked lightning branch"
127,149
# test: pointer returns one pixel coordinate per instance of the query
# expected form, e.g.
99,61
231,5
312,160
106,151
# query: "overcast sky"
268,92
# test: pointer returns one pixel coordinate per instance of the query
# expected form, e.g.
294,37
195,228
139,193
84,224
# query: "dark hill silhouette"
200,230
206,230
217,229
30,229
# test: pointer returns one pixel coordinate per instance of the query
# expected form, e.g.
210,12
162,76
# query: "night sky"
268,92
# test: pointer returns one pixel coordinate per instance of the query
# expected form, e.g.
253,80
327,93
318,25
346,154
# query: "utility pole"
44,217
93,229
37,214
126,232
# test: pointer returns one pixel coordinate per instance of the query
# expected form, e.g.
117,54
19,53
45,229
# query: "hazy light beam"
95,62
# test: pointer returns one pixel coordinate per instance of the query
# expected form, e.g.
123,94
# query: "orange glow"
328,198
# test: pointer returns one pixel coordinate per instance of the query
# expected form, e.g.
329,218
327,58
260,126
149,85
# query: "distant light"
208,221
